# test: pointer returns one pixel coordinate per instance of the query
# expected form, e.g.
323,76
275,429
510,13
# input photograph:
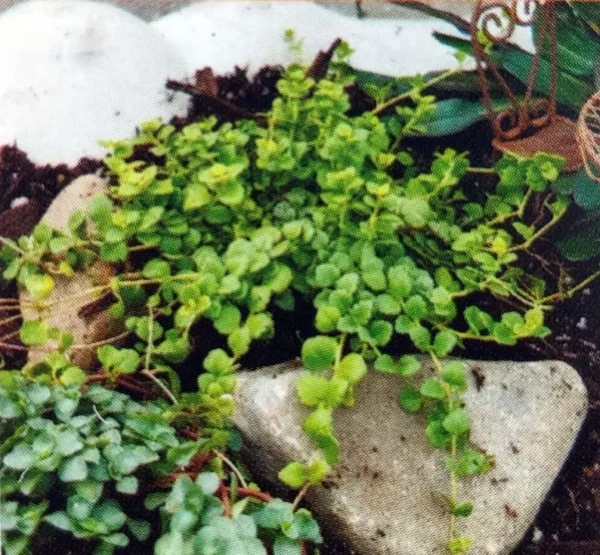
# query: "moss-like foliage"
233,219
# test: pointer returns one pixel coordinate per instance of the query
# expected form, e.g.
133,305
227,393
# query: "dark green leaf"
571,91
457,114
586,191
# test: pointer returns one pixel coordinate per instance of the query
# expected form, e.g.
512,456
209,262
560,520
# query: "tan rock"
75,196
71,294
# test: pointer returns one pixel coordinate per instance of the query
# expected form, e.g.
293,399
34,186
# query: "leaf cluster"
81,461
194,523
69,458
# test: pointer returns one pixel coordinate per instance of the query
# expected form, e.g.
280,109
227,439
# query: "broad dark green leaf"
578,47
586,192
582,241
456,114
572,91
588,11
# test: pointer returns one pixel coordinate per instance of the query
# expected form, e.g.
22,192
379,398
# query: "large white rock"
402,11
76,72
386,494
249,33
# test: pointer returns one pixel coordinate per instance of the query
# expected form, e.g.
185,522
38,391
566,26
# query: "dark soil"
35,185
569,521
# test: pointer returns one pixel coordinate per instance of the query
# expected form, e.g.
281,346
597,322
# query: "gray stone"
75,196
386,494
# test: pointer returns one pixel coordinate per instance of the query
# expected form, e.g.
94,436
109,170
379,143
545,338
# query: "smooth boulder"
386,495
224,34
77,72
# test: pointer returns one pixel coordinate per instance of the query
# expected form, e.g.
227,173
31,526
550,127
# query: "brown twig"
170,479
223,490
206,82
10,335
109,341
189,434
255,494
10,307
122,380
198,462
96,378
132,384
225,108
318,69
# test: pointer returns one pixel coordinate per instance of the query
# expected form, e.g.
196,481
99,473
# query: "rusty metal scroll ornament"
531,123
588,136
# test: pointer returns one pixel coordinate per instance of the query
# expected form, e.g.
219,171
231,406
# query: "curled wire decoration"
588,136
497,20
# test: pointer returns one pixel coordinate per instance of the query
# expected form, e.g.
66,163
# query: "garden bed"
569,518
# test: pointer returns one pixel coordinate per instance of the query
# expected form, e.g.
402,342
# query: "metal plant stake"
531,124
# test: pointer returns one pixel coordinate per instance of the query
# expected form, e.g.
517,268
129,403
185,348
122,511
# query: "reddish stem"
198,462
259,495
131,384
169,480
190,434
95,378
223,493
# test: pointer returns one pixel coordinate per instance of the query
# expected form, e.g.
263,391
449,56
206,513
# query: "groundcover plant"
221,222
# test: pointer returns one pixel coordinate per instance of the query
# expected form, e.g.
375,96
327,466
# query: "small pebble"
582,324
19,201
538,535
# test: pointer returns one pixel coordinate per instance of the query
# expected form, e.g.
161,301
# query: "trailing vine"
223,221
95,464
